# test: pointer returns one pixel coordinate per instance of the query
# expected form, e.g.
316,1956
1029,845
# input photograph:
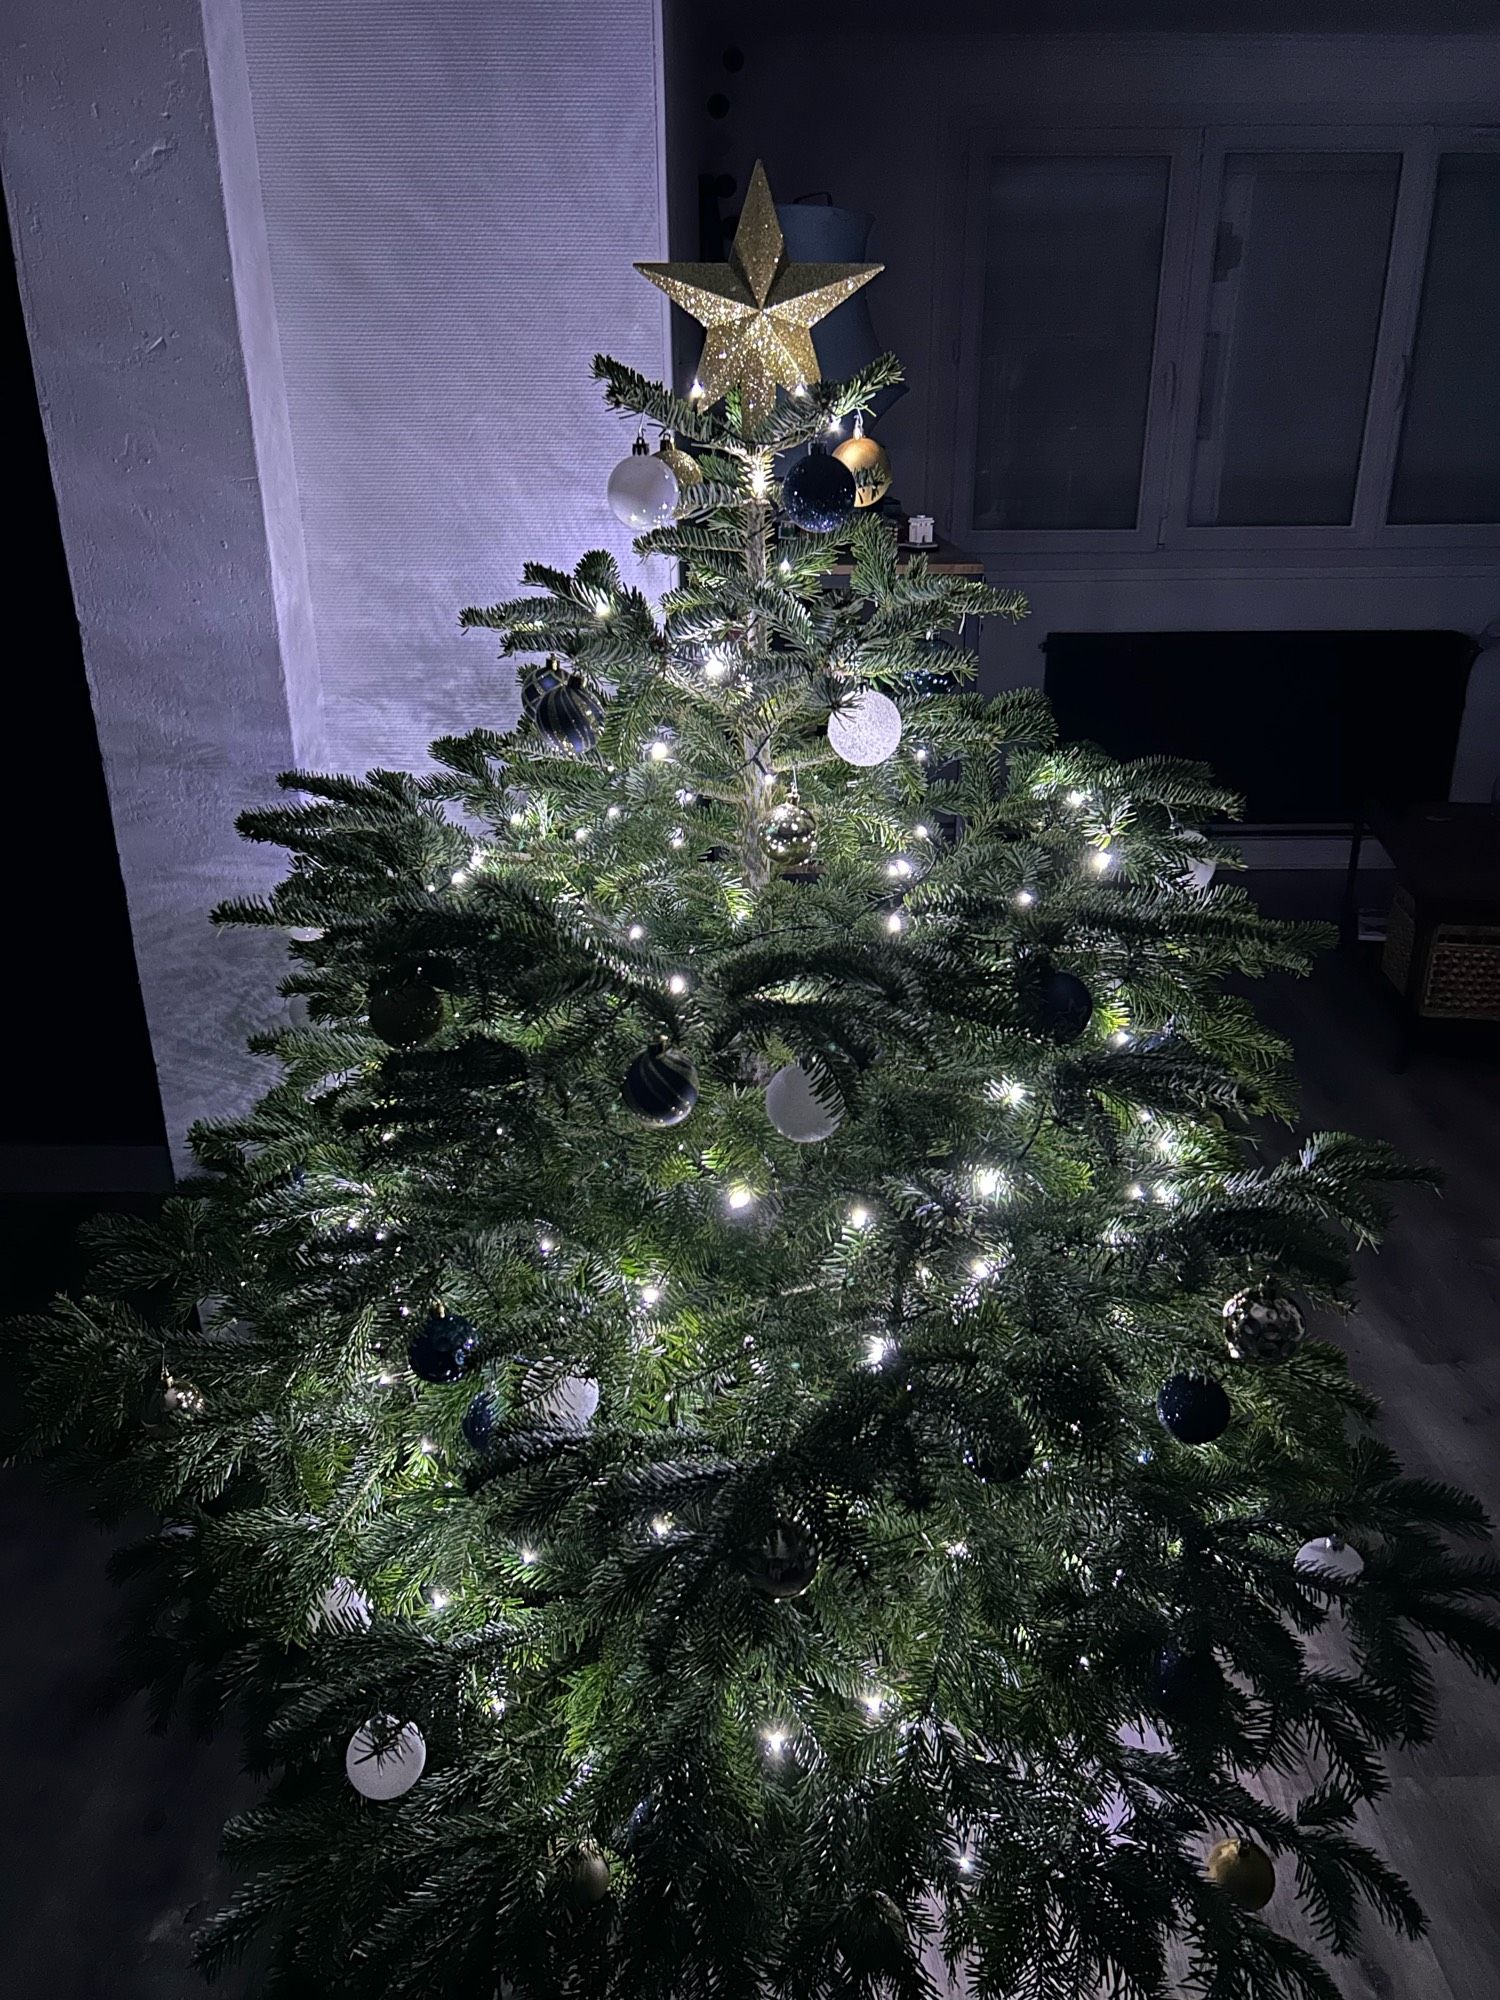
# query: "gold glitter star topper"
757,310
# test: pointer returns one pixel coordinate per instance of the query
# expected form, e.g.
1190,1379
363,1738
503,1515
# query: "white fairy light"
651,1295
659,751
581,834
1121,1038
518,819
678,839
1102,860
760,478
385,1381
602,607
784,566
958,1550
459,877
835,425
878,1349
1024,898
775,1741
526,1556
921,833
636,933
740,1197
859,1217
895,923
1135,1192
545,1245
715,665
661,1526
873,1703
697,393
438,1599
426,1447
612,812
1075,799
677,984
990,1183
900,867
963,1861
981,1268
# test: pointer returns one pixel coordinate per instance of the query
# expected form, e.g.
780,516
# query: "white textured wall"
454,194
312,287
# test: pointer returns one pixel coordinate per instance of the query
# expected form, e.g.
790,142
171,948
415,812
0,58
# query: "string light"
581,835
677,984
612,812
900,867
895,923
636,933
459,877
659,751
651,1295
775,1741
1102,860
990,1183
1076,799
679,838
715,666
740,1197
545,1245
1135,1192
878,1350
859,1217
526,1556
873,1703
438,1599
784,566
661,1526
981,1268
697,392
921,833
1024,898
1120,1039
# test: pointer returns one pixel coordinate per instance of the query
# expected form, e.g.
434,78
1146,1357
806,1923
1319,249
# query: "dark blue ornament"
817,494
536,684
478,1425
661,1086
1193,1408
569,717
443,1349
1186,1682
1058,1004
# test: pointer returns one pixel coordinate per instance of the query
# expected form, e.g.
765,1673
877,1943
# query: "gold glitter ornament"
686,469
758,310
866,459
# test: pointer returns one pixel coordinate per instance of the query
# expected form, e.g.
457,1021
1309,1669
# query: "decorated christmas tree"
738,1421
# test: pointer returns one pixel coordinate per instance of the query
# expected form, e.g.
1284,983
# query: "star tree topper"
757,310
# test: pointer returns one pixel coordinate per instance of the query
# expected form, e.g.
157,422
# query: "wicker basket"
1459,976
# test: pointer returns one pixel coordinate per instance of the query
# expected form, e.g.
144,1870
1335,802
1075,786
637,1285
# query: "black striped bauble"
443,1347
1193,1408
661,1086
569,717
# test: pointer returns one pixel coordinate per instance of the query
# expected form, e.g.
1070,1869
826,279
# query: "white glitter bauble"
1329,1556
793,1109
867,730
343,1607
570,1402
643,491
385,1773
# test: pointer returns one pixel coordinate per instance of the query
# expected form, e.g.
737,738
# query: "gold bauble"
685,468
1243,1871
789,834
168,1402
866,459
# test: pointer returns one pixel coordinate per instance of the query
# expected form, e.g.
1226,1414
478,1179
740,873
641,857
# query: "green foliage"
932,1342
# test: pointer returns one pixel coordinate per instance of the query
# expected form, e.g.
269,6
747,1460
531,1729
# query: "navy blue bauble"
661,1086
1193,1408
569,717
538,683
443,1349
1185,1682
1057,1004
817,494
478,1425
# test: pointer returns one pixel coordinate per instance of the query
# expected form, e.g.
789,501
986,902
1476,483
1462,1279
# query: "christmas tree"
738,1420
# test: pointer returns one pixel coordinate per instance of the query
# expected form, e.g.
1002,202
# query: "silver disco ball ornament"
866,729
1263,1324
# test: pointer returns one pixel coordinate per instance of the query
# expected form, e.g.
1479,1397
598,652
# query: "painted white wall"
312,288
880,122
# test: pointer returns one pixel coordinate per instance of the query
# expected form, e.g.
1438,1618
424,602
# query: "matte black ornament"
569,717
818,493
442,1350
407,1015
1003,1453
1185,1682
1058,1004
784,1564
1263,1324
660,1087
583,1876
1193,1408
478,1424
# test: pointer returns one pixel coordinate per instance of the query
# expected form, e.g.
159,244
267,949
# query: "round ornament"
1193,1408
478,1424
569,1402
1197,873
407,1015
583,1875
343,1607
540,681
382,1761
1004,1452
443,1348
660,1087
784,1564
1328,1556
796,1110
1058,1005
1243,1871
685,468
1263,1324
643,490
569,717
871,468
818,493
1186,1681
171,1402
866,729
789,834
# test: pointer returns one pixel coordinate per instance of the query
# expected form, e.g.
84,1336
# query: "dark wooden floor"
110,1833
